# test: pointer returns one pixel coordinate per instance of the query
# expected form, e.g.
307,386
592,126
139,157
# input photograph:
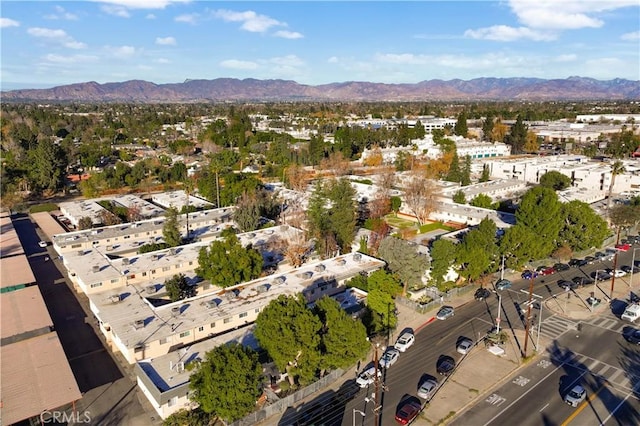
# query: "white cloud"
166,41
251,21
288,34
565,14
56,36
632,36
333,60
70,59
238,65
191,18
287,61
150,16
507,33
142,4
162,61
61,13
121,51
569,57
6,23
119,11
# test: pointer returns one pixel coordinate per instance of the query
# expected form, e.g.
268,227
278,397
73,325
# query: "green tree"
520,245
487,127
396,203
459,197
247,213
555,180
384,281
454,174
465,173
518,136
226,262
381,312
617,168
178,288
460,127
85,222
478,252
227,382
47,167
290,333
486,174
443,256
185,417
344,339
483,201
404,261
170,229
582,227
540,212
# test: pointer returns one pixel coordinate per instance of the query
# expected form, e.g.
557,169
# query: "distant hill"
231,89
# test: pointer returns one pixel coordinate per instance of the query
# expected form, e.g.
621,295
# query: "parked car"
445,365
582,281
567,284
632,336
601,275
589,260
623,247
527,274
407,412
503,284
42,244
617,273
482,293
405,341
599,255
574,262
559,267
427,388
368,377
389,357
464,346
575,396
445,312
628,269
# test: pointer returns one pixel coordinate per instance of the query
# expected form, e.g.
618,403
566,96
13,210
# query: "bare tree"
420,196
296,251
336,163
298,177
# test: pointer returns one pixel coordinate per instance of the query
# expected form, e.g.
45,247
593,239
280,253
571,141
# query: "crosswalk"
625,379
555,326
608,323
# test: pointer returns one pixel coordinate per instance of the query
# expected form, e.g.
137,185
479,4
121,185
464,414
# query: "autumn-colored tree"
499,131
107,218
134,214
296,251
374,158
531,142
336,164
297,177
562,253
380,205
420,196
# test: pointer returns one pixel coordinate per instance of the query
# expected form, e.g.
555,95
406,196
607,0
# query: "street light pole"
499,310
539,325
633,265
354,415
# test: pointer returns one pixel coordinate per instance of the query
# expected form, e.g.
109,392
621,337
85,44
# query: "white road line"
540,410
621,402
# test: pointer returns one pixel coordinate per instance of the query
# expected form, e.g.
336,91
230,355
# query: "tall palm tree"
616,168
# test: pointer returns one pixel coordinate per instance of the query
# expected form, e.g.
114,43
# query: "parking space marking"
495,399
521,381
544,363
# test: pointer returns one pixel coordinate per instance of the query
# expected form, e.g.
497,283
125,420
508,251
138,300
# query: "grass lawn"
399,222
427,227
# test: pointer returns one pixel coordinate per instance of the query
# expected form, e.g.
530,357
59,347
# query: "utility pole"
527,324
376,382
615,264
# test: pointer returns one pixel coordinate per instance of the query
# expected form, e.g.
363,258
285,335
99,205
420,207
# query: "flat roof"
161,322
23,311
36,376
10,244
15,270
47,223
502,219
178,199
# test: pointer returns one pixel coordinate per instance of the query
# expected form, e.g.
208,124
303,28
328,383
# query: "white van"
631,313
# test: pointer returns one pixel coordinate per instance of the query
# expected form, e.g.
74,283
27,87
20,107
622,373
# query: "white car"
575,396
405,341
389,357
427,389
367,377
42,244
464,346
618,273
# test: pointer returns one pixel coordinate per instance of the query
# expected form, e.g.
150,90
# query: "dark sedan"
632,336
481,294
445,365
567,284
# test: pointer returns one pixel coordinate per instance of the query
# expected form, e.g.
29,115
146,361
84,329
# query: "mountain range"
231,89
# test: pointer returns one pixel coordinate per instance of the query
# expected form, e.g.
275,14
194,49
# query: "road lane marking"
540,410
582,406
618,406
525,393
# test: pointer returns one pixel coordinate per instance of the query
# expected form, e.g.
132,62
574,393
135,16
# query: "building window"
94,285
163,341
257,310
185,333
242,315
213,325
190,262
227,320
114,281
76,245
201,328
166,268
153,271
172,401
144,274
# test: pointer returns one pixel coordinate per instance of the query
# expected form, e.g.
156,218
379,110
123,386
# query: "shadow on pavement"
327,408
621,410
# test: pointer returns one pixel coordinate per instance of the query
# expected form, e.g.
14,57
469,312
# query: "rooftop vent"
80,252
320,268
262,288
172,251
125,261
115,298
175,310
211,304
279,280
307,275
96,268
151,289
341,261
154,257
357,257
138,324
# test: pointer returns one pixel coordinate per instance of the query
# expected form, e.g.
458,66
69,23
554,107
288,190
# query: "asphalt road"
473,320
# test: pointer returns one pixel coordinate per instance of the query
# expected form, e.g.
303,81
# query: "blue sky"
50,43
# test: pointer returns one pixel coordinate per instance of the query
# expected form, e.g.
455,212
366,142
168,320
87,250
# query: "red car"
623,247
408,412
549,271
